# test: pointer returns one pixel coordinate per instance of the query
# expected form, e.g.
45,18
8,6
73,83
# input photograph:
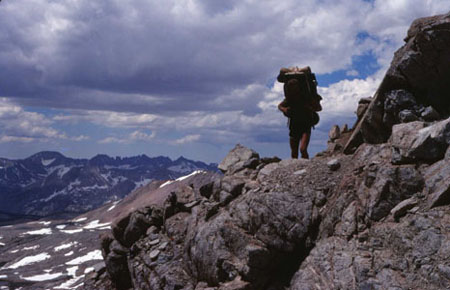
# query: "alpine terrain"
50,184
370,212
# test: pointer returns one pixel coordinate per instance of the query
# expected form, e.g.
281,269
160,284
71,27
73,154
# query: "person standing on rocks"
300,105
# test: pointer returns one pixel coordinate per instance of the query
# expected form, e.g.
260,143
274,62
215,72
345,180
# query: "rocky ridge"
377,218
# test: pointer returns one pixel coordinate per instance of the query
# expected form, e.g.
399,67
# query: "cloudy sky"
185,77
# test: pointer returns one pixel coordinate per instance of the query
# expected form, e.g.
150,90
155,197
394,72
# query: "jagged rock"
437,187
136,228
363,104
400,209
416,141
397,102
406,116
236,159
334,133
430,114
266,170
344,128
418,68
388,187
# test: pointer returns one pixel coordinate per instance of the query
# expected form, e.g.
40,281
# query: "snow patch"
88,270
105,228
29,260
93,187
166,183
80,220
60,227
189,175
65,246
2,244
5,276
47,162
94,255
72,271
69,254
71,231
46,231
42,277
62,171
182,178
94,225
45,223
113,206
14,251
31,248
55,194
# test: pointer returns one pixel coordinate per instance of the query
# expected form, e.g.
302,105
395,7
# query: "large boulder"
417,78
237,159
419,141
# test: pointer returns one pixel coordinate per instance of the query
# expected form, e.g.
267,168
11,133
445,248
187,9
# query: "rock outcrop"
416,86
376,219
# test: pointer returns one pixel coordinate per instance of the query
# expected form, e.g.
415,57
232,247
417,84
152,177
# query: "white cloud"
19,125
187,139
191,68
141,136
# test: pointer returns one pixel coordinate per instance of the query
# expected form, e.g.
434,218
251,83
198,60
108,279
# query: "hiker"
300,105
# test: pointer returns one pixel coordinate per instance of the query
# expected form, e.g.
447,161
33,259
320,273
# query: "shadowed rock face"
415,87
376,219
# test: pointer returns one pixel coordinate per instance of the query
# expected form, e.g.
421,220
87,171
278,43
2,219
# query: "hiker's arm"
283,106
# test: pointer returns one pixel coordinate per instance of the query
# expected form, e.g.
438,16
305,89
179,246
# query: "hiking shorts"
298,127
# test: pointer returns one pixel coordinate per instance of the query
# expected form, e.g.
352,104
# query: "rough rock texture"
376,219
415,87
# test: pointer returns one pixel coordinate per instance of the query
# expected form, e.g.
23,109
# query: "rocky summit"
370,212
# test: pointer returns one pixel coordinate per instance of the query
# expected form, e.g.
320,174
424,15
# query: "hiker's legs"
304,145
294,142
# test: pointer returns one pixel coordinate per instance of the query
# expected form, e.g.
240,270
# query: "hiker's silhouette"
300,105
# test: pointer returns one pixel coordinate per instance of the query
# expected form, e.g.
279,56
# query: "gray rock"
334,133
416,141
154,254
437,187
334,164
266,170
420,68
430,114
300,172
400,209
236,159
154,242
361,110
406,116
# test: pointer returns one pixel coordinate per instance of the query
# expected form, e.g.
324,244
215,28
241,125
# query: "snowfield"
46,231
29,260
94,255
42,277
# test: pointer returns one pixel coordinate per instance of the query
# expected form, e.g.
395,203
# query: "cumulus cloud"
148,56
135,136
19,125
187,139
204,70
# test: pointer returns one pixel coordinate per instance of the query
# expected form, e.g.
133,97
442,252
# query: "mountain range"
51,184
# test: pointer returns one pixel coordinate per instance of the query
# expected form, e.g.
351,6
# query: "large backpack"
308,86
306,78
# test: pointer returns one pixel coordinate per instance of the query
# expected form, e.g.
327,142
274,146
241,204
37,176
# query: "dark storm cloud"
151,56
